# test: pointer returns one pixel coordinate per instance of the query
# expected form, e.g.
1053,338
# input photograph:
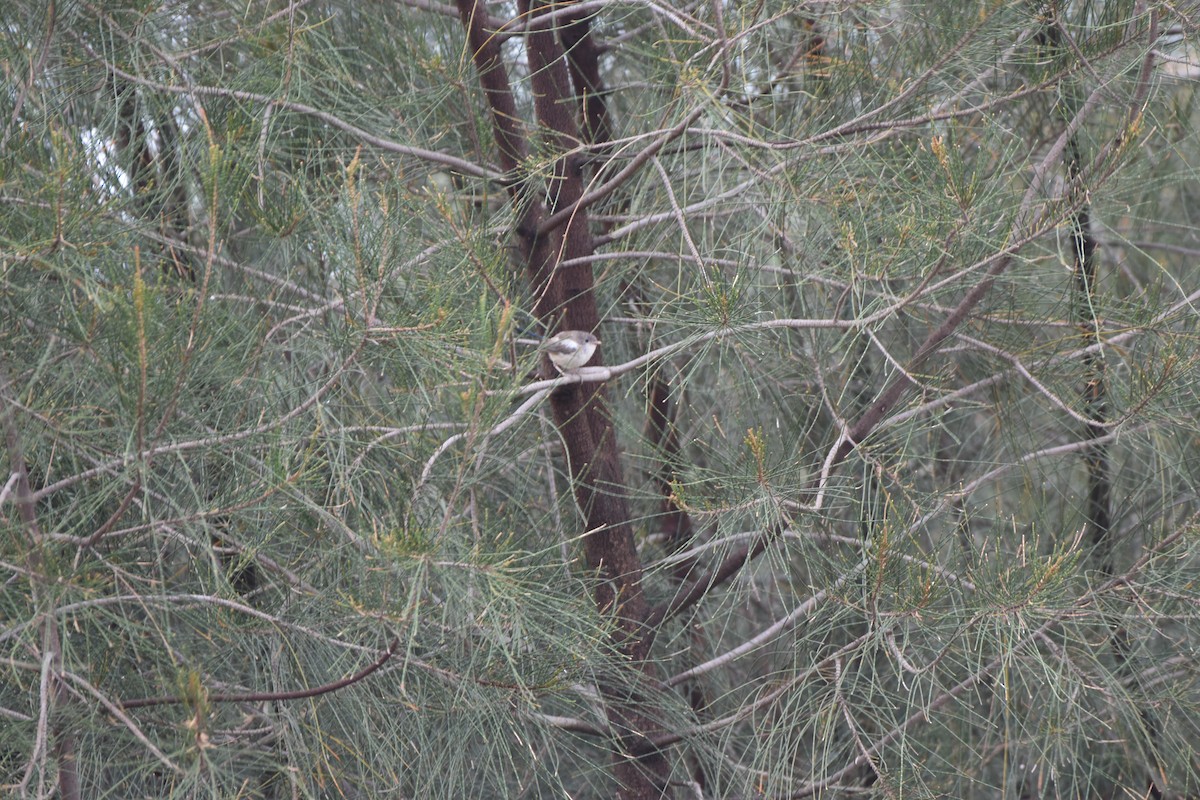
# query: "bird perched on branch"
570,350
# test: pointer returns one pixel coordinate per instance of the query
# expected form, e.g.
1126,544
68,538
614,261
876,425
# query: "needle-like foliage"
885,481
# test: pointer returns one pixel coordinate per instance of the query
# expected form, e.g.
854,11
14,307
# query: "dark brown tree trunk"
565,300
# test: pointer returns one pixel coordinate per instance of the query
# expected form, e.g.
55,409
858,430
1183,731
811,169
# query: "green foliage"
266,331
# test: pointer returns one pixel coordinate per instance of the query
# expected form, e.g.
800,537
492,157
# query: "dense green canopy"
884,483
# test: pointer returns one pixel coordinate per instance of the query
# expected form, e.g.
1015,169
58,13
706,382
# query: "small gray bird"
569,350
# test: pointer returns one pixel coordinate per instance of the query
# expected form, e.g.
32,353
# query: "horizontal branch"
264,697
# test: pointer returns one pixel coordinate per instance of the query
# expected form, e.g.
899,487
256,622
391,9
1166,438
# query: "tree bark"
565,300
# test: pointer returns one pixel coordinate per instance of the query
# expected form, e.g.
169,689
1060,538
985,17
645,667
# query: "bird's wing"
563,346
